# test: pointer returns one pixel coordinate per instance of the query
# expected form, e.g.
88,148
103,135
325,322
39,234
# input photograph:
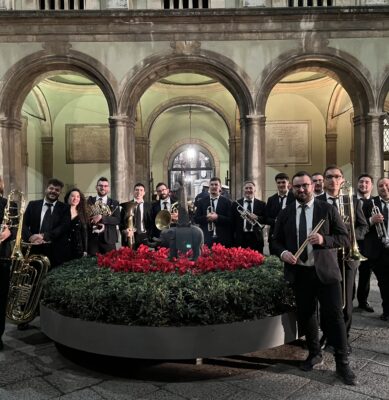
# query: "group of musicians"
320,272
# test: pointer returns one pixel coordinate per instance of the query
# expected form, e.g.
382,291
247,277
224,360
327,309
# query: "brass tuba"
27,274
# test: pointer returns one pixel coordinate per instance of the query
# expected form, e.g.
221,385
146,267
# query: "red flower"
144,260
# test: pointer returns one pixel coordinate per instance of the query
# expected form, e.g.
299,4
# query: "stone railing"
59,5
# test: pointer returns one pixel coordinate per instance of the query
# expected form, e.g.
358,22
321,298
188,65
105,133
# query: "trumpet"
211,224
382,232
248,216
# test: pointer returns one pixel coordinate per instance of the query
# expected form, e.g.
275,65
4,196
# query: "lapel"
292,215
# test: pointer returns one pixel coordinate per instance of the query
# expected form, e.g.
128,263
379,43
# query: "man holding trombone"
377,241
306,237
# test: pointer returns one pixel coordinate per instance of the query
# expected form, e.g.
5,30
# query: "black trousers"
350,272
381,270
363,290
309,290
250,240
96,244
4,285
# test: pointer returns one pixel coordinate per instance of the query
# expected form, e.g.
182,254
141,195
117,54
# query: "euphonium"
27,274
164,217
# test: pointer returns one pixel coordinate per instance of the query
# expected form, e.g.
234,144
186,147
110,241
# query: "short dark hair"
102,179
300,174
215,179
365,175
55,182
160,184
332,166
139,184
281,175
317,173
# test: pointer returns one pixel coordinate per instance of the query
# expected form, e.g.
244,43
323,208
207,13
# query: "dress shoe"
366,307
311,361
384,317
345,373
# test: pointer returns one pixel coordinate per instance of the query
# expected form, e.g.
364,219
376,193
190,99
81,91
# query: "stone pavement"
32,367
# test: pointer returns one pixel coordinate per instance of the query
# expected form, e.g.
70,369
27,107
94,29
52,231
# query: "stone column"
235,167
122,156
142,157
359,156
254,151
47,144
331,148
374,145
11,147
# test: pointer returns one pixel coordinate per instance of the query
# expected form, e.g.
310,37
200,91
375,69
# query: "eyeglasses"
304,186
329,177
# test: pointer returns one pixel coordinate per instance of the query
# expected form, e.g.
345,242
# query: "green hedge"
80,289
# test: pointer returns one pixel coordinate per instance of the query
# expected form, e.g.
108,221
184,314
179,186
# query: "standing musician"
276,203
334,180
213,214
46,224
164,202
246,234
6,236
377,241
314,273
103,239
364,189
318,184
135,220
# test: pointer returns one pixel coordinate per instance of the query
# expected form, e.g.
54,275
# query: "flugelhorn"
306,241
382,232
248,216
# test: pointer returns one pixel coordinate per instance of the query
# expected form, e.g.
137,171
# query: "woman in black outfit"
78,236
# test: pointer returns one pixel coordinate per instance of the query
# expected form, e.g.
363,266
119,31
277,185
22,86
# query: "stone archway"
354,78
192,60
20,80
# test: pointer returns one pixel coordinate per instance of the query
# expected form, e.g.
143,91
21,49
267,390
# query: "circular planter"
185,342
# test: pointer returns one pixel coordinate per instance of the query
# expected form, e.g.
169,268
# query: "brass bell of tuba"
27,275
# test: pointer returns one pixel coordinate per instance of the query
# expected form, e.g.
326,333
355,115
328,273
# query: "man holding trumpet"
377,241
306,237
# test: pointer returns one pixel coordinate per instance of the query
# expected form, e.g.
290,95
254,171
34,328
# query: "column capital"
47,140
254,119
369,117
121,121
10,123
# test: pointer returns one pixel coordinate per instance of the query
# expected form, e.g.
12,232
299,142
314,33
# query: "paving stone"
378,365
201,390
373,385
30,389
83,394
162,394
124,389
16,372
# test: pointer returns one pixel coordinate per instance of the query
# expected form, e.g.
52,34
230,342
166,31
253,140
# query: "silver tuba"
27,274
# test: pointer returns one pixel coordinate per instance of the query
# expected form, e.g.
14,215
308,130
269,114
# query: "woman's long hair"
81,207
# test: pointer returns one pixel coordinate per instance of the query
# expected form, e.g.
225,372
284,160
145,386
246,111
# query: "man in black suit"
364,189
334,180
318,184
164,202
377,241
136,214
276,203
245,233
104,220
7,234
213,214
46,224
314,274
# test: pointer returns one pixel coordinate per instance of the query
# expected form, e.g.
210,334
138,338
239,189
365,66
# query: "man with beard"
318,184
377,241
46,224
104,220
164,202
314,274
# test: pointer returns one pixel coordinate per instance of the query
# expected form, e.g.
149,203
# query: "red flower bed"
218,258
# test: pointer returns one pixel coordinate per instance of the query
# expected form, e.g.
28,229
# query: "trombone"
248,216
382,232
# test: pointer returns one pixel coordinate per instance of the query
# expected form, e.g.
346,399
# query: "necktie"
165,205
333,199
385,212
213,205
248,226
281,199
46,221
138,219
303,233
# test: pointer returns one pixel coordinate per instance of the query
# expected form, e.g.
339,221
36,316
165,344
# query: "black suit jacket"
58,234
333,230
147,219
273,208
5,246
238,222
110,221
373,248
223,223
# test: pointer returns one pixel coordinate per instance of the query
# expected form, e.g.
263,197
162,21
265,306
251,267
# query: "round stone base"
164,343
